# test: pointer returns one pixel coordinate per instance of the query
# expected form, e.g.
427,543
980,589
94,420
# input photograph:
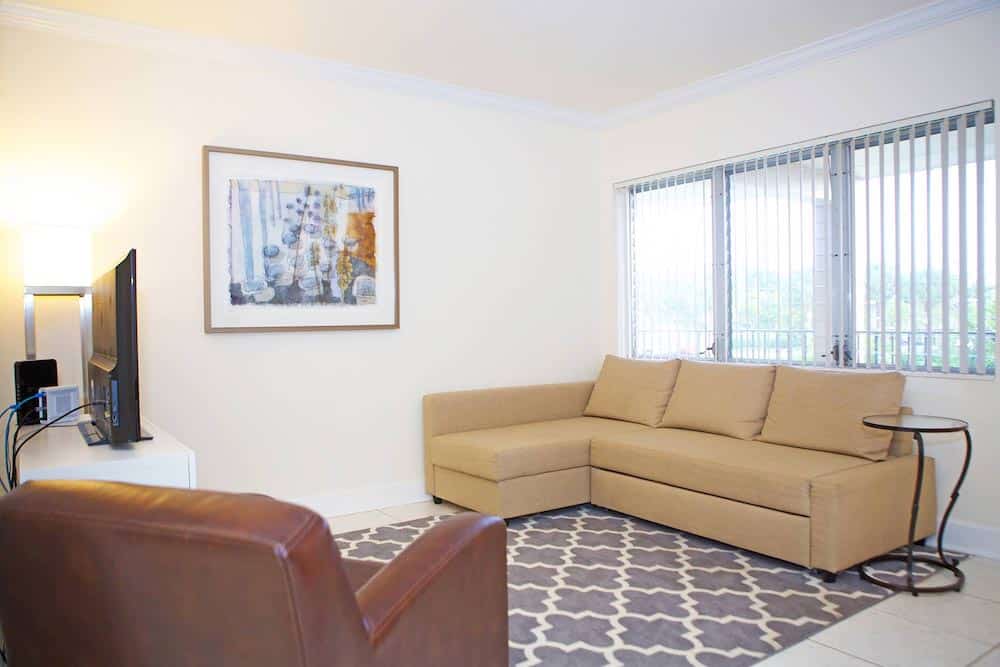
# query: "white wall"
942,67
498,240
11,309
57,336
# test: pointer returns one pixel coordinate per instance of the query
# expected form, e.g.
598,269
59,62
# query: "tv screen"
114,367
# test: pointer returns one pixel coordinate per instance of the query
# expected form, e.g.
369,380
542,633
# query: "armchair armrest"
458,411
443,600
863,512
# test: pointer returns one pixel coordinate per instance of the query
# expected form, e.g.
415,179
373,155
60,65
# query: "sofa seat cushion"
759,473
524,449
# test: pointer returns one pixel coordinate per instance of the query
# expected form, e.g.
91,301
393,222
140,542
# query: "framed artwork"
298,243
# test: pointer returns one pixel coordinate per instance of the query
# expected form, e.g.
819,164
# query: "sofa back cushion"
823,410
728,399
633,391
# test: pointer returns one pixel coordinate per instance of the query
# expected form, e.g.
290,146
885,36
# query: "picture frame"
298,243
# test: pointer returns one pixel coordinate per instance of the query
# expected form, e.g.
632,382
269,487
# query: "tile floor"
348,522
936,630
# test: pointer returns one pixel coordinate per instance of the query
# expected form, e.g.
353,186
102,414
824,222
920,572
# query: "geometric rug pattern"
588,586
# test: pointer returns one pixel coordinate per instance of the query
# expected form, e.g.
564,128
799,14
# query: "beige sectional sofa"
771,459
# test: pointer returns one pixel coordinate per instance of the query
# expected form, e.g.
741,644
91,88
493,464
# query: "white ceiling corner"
98,29
935,13
110,30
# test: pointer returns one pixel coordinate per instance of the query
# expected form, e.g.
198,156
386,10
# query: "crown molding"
93,28
897,25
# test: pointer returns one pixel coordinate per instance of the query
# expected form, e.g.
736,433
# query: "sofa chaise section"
514,450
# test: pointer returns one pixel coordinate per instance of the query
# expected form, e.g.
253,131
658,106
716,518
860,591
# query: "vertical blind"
870,249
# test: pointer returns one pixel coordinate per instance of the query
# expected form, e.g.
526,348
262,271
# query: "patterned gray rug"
593,587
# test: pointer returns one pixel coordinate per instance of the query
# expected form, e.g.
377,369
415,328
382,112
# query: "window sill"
950,376
964,377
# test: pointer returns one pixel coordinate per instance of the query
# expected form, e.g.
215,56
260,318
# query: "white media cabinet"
60,452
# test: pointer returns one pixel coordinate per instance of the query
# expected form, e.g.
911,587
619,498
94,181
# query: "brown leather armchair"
108,574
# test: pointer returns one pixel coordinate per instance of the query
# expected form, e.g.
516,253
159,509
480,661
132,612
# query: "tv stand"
62,453
91,436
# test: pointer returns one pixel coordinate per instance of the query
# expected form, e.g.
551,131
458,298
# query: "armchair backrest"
95,573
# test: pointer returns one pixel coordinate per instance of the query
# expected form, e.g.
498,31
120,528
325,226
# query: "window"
873,249
673,280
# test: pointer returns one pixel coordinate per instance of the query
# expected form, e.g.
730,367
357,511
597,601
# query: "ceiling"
585,55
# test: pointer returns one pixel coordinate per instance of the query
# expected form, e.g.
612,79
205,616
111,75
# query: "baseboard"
363,499
971,538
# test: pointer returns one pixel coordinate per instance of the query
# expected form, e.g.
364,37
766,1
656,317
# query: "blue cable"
10,411
16,406
6,454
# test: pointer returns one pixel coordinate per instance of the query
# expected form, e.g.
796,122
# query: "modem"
29,377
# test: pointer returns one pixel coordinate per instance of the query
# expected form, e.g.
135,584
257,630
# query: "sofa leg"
828,577
437,501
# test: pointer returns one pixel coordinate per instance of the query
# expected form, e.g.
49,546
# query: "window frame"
840,154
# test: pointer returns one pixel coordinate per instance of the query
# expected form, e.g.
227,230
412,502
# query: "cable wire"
10,411
19,446
17,433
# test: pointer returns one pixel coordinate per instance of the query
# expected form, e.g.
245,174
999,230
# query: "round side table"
919,425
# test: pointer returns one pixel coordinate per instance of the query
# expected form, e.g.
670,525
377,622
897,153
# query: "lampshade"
56,256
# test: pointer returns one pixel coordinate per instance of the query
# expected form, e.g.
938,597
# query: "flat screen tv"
113,370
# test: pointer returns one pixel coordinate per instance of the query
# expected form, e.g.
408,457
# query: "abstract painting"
293,242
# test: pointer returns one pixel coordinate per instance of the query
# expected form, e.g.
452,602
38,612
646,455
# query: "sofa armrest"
458,411
863,512
443,600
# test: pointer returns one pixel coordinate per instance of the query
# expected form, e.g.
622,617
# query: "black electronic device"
30,376
114,367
